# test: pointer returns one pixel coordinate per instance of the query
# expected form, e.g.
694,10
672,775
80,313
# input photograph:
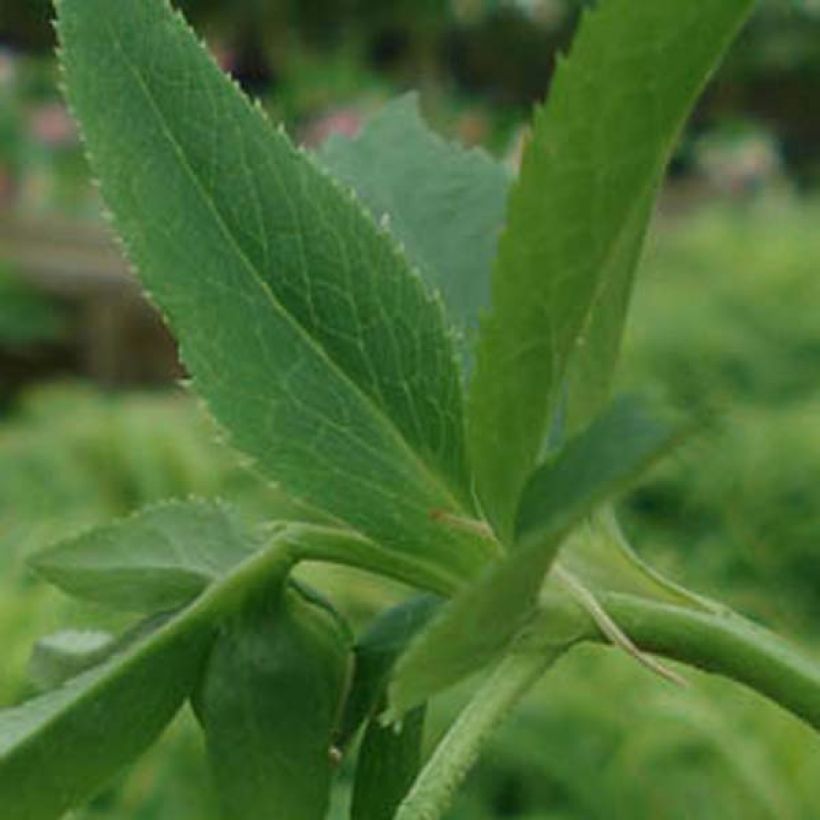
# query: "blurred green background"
725,325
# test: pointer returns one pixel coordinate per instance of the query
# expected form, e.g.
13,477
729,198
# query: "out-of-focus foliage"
601,738
772,76
501,51
26,316
41,165
726,323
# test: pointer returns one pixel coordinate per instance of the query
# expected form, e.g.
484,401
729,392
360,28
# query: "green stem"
723,643
433,789
311,542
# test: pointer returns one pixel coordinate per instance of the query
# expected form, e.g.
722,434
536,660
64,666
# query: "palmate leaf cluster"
412,346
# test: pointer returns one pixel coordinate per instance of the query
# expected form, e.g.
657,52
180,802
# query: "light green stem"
723,643
433,790
311,542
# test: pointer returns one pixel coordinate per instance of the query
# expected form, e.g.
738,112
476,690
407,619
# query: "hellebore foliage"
420,349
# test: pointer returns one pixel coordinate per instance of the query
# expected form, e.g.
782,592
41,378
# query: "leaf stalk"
437,782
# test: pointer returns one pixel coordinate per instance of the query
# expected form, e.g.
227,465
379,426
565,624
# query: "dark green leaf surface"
444,203
611,453
159,558
59,748
269,703
389,760
304,328
575,222
376,652
479,623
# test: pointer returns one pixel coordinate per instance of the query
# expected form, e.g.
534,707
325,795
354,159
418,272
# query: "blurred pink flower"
345,121
224,55
51,124
8,69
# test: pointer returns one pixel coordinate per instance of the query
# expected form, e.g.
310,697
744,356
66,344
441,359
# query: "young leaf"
376,652
611,453
65,654
599,555
166,555
576,219
389,760
57,658
444,203
160,558
302,324
473,628
59,748
269,703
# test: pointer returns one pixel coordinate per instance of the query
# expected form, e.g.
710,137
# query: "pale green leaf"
476,626
599,556
59,748
158,559
302,324
444,203
65,654
575,222
269,703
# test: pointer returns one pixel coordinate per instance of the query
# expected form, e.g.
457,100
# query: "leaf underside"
575,224
302,324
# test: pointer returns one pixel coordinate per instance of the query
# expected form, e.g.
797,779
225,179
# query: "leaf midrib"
382,418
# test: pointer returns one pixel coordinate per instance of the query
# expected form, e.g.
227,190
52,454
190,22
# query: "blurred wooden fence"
117,336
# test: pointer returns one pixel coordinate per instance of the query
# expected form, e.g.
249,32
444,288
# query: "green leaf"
160,558
599,555
65,654
59,748
614,451
376,652
575,223
477,625
166,555
57,658
389,760
444,203
27,317
302,324
591,367
269,704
